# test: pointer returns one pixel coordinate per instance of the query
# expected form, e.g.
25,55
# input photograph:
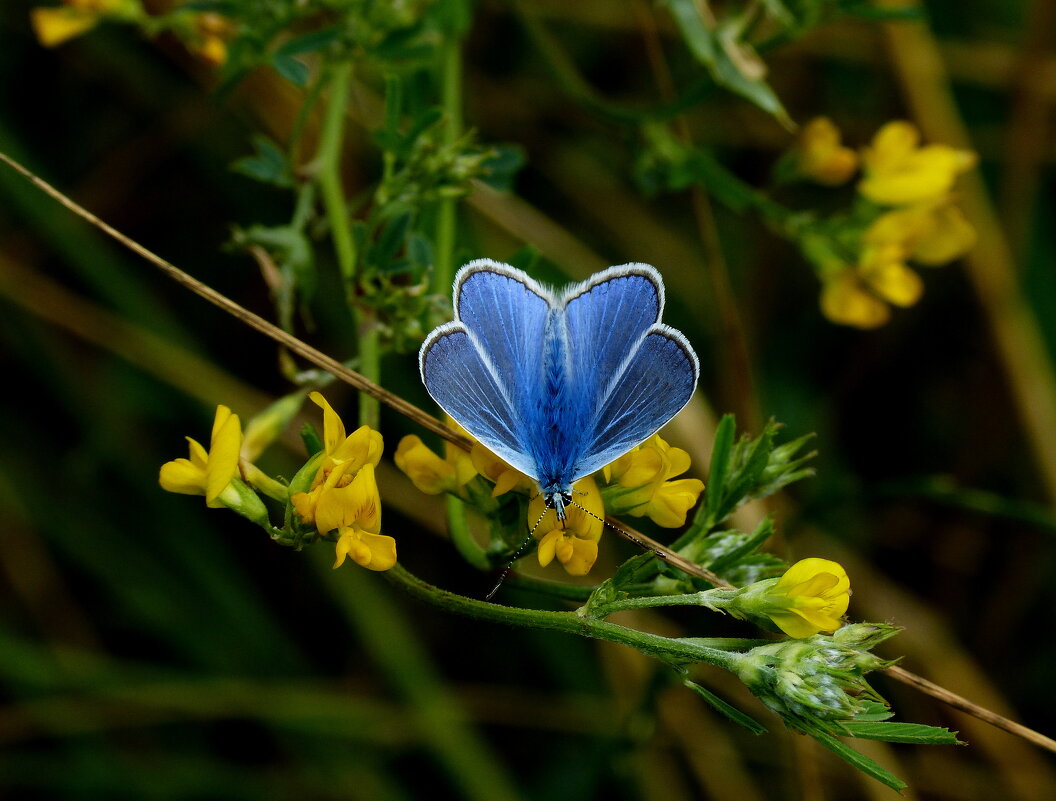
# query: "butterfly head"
557,498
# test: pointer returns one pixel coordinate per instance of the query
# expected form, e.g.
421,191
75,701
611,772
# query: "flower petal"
580,556
182,476
223,455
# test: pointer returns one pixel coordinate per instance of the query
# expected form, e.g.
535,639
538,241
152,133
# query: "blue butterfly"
558,384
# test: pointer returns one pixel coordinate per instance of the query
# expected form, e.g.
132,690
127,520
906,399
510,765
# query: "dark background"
151,648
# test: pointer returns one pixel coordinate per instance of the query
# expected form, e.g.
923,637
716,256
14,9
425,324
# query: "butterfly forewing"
604,319
506,312
651,387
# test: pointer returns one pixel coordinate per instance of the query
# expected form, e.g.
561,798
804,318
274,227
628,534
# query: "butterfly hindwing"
466,385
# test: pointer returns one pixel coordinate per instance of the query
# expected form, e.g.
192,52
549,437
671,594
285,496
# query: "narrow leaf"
731,712
720,464
916,733
860,761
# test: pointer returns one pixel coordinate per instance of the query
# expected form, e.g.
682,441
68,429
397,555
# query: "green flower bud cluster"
820,677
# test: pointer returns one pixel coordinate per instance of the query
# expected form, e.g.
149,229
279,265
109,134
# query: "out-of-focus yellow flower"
928,233
431,474
883,270
819,155
502,475
846,300
343,497
576,543
639,483
212,33
55,25
208,472
898,171
810,597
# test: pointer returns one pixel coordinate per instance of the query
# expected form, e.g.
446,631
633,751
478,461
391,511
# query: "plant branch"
479,609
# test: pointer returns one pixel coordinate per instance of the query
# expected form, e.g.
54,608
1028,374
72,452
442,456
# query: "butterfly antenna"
516,555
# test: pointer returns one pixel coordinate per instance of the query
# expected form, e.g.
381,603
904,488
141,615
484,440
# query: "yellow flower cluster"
925,227
343,498
640,484
206,33
920,223
575,544
55,25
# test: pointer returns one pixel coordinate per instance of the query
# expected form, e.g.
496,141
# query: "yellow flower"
820,156
343,497
496,470
354,512
846,300
53,26
929,233
431,474
810,597
898,171
883,270
208,473
645,489
211,32
576,543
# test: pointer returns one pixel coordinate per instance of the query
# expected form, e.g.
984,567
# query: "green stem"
328,166
328,171
664,648
461,536
447,213
708,598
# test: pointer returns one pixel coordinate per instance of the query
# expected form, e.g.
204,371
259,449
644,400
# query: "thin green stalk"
664,648
649,602
461,536
328,171
328,175
447,213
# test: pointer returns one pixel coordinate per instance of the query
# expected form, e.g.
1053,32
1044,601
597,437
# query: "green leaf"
713,49
309,42
390,240
502,165
292,69
874,711
267,164
762,533
731,712
915,733
314,444
720,463
779,11
860,761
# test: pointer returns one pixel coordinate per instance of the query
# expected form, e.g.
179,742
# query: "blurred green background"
153,649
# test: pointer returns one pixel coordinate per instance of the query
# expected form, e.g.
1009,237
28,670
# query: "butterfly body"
558,384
